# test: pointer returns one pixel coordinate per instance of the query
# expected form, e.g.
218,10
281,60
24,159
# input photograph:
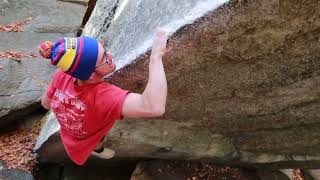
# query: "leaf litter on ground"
17,148
15,27
16,55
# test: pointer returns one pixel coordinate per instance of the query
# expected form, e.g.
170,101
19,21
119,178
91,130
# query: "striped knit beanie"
75,56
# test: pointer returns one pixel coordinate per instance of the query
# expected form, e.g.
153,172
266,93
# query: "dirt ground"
184,170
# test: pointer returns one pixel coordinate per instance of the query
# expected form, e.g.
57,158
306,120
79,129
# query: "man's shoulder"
59,73
107,87
61,79
106,91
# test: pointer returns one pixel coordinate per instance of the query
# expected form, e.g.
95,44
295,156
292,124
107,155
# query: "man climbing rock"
85,105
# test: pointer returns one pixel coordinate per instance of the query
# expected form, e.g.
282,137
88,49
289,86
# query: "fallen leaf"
16,55
15,27
297,174
17,148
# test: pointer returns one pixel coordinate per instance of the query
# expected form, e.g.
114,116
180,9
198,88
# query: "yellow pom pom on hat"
75,56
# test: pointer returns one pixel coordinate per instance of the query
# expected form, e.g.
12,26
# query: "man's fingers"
162,32
168,49
160,40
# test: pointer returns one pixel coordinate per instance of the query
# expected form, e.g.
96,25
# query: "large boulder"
22,84
243,81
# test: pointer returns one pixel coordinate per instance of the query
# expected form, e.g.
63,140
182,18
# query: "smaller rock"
16,174
2,165
312,174
274,174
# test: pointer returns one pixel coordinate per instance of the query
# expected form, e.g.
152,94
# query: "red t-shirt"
85,113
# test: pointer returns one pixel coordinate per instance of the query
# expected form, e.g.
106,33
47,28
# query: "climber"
87,106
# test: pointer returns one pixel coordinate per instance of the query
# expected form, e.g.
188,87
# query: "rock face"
16,174
127,27
243,83
22,84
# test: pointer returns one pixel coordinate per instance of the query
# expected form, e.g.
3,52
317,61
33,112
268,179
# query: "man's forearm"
155,93
45,101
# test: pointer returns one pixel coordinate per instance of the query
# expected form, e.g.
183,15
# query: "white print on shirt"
69,110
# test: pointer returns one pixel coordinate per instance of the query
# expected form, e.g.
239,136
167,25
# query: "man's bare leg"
102,152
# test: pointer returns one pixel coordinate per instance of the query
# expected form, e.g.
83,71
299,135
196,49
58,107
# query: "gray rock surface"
15,174
314,173
243,83
170,141
274,175
22,84
2,165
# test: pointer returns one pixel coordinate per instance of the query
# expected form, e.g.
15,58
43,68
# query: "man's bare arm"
152,101
45,101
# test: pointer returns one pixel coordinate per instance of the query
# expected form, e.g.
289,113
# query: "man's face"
104,63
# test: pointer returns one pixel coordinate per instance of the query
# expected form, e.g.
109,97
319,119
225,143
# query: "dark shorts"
100,146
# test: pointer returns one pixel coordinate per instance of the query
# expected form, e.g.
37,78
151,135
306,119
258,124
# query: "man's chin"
108,74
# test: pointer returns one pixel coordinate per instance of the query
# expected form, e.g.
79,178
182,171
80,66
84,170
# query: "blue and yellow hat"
75,56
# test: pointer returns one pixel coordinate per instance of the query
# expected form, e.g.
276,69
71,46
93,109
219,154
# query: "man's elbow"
46,106
159,111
